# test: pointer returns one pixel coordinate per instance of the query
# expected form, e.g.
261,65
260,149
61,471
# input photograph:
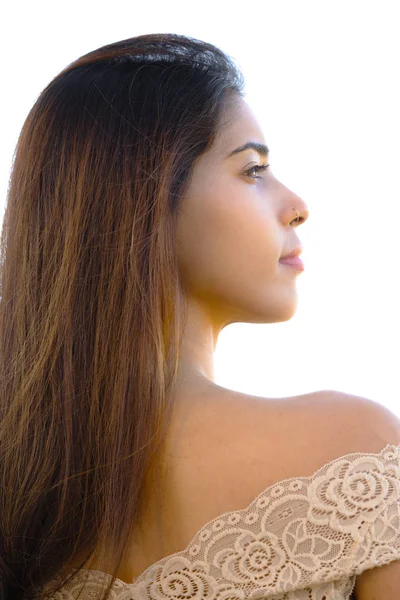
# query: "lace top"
304,538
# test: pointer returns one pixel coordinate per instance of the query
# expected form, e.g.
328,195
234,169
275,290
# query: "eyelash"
258,169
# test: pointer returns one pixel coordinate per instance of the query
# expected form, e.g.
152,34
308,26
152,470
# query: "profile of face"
234,225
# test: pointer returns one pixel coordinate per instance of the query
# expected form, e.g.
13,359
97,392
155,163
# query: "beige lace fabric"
304,538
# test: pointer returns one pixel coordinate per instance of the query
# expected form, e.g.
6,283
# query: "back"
231,456
260,441
314,429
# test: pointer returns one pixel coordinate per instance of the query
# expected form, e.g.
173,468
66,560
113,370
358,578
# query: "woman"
143,218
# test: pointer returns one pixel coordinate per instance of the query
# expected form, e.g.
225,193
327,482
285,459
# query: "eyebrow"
262,149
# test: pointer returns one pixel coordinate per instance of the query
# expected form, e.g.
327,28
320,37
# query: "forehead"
238,125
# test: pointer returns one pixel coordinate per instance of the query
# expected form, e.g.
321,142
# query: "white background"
323,80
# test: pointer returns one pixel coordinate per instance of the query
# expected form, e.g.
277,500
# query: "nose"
299,217
289,204
297,210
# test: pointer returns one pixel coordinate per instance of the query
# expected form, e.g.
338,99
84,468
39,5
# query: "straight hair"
91,305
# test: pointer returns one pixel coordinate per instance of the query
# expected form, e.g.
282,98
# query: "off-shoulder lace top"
304,538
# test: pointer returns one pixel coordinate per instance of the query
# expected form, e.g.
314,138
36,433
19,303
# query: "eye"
257,169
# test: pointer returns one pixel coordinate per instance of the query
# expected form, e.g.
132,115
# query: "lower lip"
293,261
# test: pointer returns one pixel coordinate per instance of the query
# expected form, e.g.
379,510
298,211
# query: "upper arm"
380,583
321,425
361,424
374,426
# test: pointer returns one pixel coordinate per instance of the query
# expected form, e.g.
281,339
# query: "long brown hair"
91,307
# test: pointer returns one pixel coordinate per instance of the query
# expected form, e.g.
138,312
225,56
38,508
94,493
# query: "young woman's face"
234,227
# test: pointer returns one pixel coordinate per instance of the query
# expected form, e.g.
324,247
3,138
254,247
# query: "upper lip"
294,252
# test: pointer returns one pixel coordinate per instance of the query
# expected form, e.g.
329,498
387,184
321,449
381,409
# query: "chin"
278,317
283,313
283,319
263,311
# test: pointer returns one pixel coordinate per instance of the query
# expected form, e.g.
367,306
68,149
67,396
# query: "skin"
232,230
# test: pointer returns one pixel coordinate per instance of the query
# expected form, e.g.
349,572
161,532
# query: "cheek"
230,239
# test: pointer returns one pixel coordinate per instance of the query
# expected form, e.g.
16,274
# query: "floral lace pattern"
304,538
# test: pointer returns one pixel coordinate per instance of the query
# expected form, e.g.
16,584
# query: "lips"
294,252
291,260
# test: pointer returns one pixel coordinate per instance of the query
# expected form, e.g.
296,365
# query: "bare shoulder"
227,447
295,436
328,424
376,426
339,423
302,433
367,424
358,423
280,438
